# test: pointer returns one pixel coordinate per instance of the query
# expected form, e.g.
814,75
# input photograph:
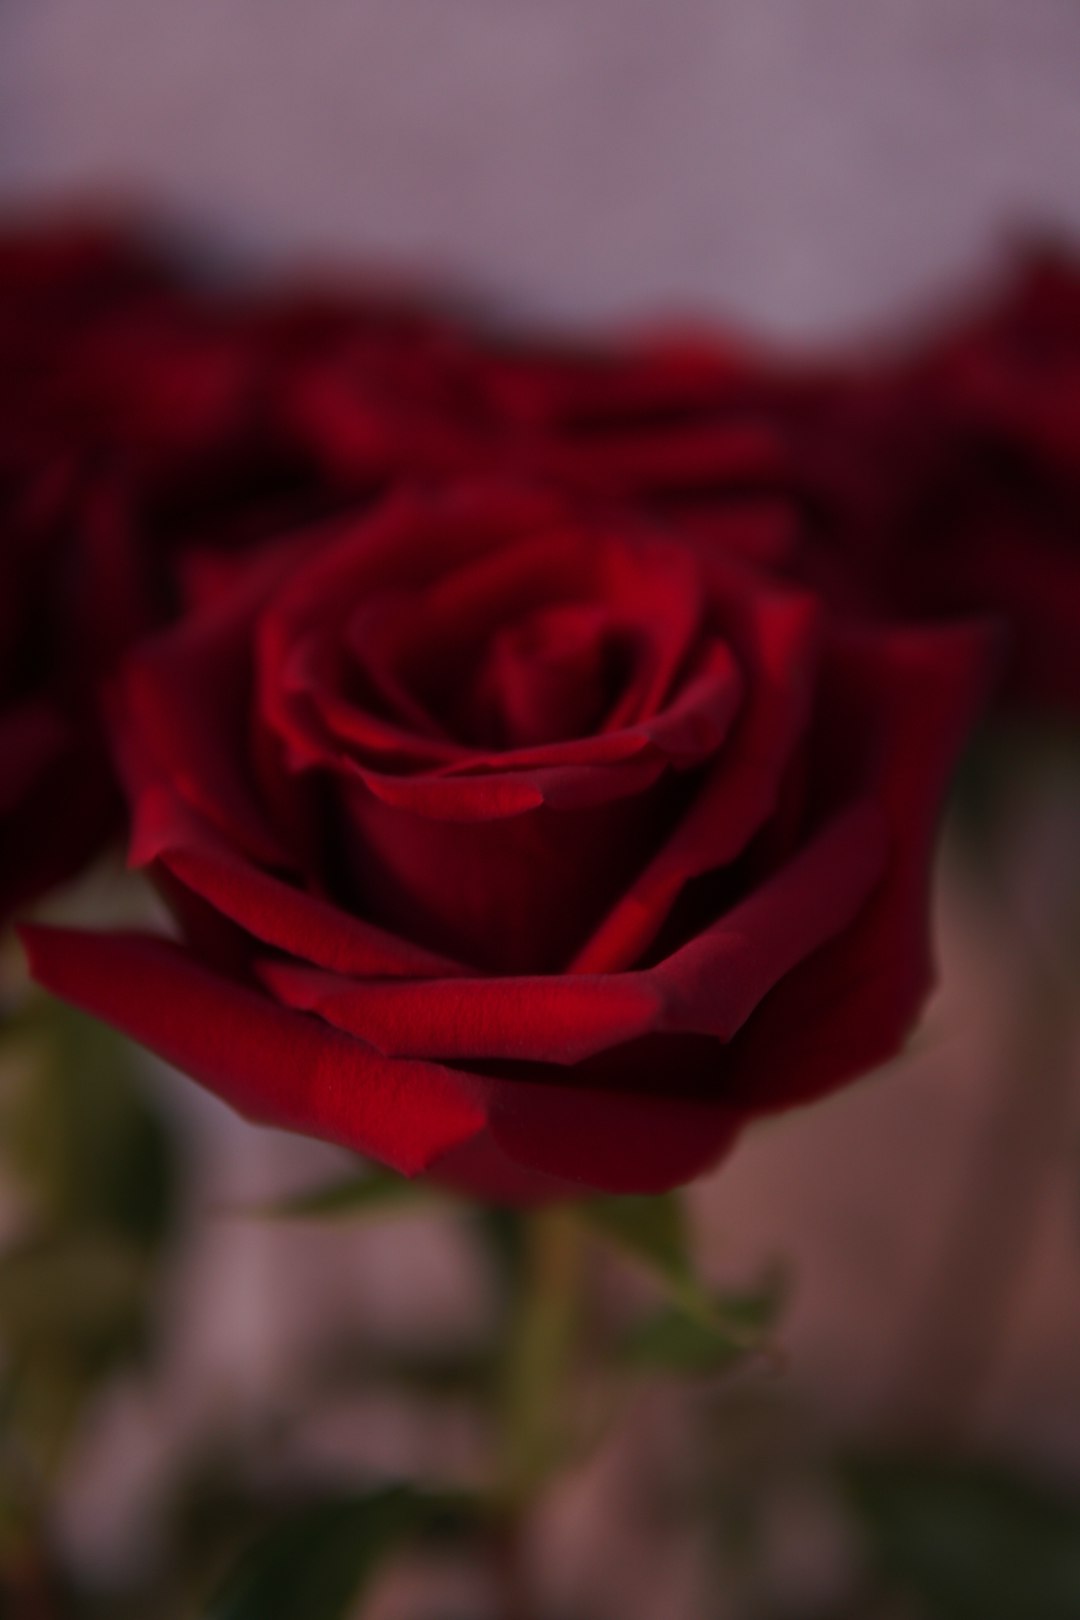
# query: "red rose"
202,422
69,568
391,390
668,423
56,277
145,439
669,426
1007,486
949,482
57,796
56,792
531,851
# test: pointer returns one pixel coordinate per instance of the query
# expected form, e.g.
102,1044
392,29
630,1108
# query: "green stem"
533,1430
539,1352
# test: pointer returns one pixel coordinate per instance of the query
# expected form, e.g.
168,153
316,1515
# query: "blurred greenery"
701,1329
737,1325
93,1175
91,1170
82,1135
969,1540
372,1191
317,1562
653,1231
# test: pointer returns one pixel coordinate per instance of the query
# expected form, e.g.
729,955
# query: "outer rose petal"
547,1018
545,1141
278,1067
198,667
710,986
850,1005
168,834
286,1069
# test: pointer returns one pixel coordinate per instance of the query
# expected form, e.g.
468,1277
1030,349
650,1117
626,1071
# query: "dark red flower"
948,482
151,432
671,425
56,790
535,851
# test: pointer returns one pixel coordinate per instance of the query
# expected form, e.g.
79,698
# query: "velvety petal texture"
539,747
524,841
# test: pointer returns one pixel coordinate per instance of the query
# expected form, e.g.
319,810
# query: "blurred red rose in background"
150,431
947,480
672,424
531,849
56,794
56,800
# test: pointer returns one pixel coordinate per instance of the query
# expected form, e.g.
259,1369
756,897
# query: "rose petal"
594,1140
850,1005
710,986
271,909
274,1066
779,635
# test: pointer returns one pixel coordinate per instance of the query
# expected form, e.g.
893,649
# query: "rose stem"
533,1418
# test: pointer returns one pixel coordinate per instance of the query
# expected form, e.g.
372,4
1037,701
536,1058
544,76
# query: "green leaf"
651,1230
318,1563
970,1541
373,1192
699,1330
654,1232
738,1325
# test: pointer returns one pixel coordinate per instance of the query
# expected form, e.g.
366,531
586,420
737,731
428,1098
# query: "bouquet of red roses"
538,749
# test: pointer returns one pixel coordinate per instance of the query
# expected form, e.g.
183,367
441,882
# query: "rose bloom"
57,800
948,481
534,850
201,421
668,423
107,405
150,432
56,279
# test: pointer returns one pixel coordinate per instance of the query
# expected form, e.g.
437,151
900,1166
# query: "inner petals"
551,677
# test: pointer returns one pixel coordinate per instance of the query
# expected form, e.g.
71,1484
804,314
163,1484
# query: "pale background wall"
810,165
